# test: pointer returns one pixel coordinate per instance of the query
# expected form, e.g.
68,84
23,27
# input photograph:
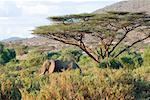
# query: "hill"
40,42
128,5
12,39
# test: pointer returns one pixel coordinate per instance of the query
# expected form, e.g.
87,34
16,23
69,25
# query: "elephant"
51,66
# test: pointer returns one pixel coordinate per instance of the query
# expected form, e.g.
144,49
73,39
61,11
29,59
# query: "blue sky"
18,17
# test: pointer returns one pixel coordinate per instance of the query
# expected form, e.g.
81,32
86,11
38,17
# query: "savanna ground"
19,79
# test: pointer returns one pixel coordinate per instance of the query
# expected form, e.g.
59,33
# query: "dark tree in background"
109,30
6,54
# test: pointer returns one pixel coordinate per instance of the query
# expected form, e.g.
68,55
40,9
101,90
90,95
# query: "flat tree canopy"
107,28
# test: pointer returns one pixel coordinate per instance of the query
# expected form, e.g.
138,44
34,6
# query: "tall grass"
20,80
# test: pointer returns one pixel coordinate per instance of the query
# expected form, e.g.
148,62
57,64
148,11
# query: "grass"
21,81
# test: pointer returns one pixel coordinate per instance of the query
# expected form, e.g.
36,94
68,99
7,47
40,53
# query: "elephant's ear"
52,66
44,67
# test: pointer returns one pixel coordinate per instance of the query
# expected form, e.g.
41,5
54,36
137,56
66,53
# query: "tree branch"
132,45
81,45
86,49
124,36
60,39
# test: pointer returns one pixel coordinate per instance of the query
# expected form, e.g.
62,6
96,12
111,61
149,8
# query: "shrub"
34,59
6,54
53,55
147,57
71,54
113,63
132,60
9,91
86,61
1,47
21,50
128,61
67,57
94,84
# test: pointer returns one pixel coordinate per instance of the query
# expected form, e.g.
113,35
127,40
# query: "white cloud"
57,1
54,0
39,10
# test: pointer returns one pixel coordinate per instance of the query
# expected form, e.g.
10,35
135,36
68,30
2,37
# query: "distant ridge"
12,39
128,6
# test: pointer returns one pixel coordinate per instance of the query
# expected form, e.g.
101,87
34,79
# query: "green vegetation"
21,50
6,54
146,57
111,71
20,78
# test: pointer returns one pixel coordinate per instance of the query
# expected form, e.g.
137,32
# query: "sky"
19,17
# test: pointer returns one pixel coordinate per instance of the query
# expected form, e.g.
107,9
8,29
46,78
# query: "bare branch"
132,45
124,36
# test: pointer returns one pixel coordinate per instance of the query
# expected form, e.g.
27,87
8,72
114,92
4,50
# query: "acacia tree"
105,29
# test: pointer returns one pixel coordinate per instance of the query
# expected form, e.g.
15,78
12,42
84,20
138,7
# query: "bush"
132,60
147,57
21,50
1,47
71,54
86,61
20,79
9,91
6,54
94,84
113,63
34,59
128,61
53,55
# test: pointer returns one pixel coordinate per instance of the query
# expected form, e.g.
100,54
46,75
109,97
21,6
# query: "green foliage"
95,83
53,55
67,17
127,60
86,61
66,54
9,91
6,54
113,63
21,50
1,47
33,87
70,54
34,59
133,60
130,60
147,57
67,57
21,80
